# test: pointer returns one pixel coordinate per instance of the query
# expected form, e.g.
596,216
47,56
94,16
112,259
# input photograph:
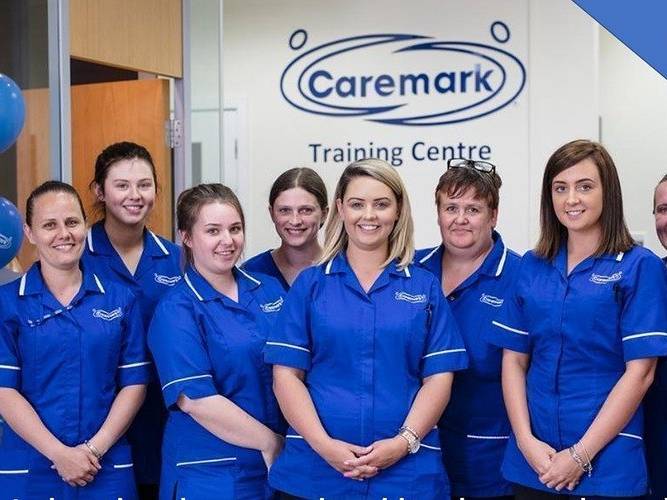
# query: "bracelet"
587,467
581,445
93,449
411,431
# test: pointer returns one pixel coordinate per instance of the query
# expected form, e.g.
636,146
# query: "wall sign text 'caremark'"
454,81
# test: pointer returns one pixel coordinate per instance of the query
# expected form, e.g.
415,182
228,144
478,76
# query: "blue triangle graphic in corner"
641,25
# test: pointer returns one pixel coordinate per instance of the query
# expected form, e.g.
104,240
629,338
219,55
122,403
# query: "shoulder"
113,290
9,295
512,261
641,260
424,254
257,262
268,286
419,278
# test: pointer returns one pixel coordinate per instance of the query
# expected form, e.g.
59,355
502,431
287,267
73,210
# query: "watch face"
414,447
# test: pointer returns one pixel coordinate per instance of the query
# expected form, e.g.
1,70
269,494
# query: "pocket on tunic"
207,479
14,473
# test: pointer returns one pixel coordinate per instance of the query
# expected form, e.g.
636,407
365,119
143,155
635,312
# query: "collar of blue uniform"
98,242
204,291
339,264
560,261
32,283
493,264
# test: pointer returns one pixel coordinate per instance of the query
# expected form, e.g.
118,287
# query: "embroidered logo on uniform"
271,307
491,300
600,279
107,315
408,297
5,241
166,280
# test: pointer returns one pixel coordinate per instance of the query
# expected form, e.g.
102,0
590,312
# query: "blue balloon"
11,231
12,112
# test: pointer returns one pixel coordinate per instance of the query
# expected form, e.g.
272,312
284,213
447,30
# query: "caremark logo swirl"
403,79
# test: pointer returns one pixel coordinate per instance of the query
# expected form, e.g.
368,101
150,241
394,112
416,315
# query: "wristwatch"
412,438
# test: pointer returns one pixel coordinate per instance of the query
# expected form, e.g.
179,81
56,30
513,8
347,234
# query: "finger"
572,485
88,478
353,474
361,450
80,482
95,461
71,483
360,461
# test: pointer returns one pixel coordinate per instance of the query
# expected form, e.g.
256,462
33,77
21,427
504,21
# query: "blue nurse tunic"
474,428
655,412
263,263
157,272
365,356
580,330
69,363
205,344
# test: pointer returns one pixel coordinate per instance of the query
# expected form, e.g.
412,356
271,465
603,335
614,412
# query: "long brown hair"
615,234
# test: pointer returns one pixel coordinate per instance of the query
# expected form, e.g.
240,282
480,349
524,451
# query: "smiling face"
369,210
128,193
577,197
466,222
660,210
216,240
57,229
297,217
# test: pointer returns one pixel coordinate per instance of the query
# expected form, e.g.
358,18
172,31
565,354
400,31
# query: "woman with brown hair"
581,332
298,207
207,338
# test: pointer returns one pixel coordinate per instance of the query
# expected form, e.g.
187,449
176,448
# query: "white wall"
555,40
633,109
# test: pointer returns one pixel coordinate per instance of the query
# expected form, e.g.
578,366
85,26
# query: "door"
136,111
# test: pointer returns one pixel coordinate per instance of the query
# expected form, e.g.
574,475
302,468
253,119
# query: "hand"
76,465
537,453
385,453
564,472
337,453
273,450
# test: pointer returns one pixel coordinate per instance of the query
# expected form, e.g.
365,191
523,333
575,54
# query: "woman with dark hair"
476,271
73,365
207,338
363,355
120,247
655,403
298,207
581,332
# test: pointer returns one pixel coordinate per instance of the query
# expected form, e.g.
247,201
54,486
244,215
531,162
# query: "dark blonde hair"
615,234
456,181
191,201
401,242
301,177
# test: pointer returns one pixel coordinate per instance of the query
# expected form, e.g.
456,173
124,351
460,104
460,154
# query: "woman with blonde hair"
363,354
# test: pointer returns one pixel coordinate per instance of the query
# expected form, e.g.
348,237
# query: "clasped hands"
556,470
359,462
76,465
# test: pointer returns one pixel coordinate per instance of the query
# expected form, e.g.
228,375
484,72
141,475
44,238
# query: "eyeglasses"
480,166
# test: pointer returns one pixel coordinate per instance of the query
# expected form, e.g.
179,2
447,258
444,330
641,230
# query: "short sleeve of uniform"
176,341
509,329
445,350
644,310
289,343
134,367
10,359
